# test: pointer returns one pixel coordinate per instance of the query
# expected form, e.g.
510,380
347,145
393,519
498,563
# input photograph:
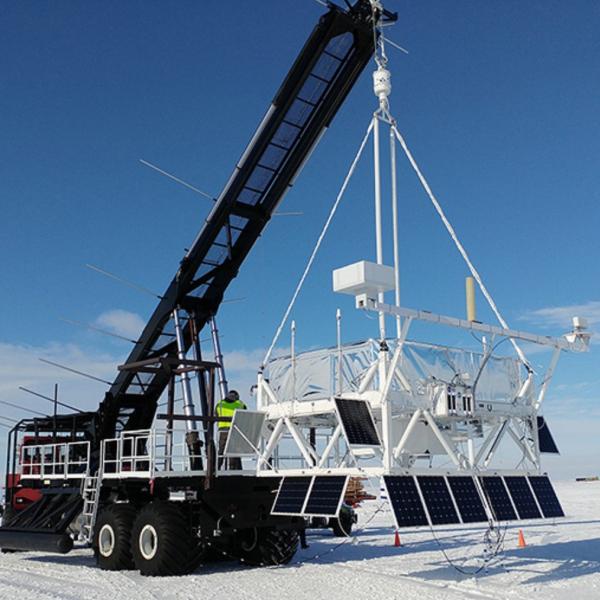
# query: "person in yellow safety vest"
226,408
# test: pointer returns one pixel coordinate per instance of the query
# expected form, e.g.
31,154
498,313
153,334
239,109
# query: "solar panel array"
523,498
357,421
405,500
467,499
498,498
319,496
439,500
546,497
325,496
291,495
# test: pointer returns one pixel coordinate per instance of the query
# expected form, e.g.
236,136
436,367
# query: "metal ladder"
90,492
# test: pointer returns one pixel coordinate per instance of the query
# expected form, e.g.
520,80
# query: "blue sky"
498,102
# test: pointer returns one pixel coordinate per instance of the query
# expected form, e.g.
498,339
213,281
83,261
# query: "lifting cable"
459,245
317,246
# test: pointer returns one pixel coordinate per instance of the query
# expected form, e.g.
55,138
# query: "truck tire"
112,537
162,541
265,546
342,526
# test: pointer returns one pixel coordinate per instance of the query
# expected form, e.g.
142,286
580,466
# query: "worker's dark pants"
233,464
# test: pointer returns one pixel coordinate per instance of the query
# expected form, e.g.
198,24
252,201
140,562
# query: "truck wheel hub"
106,541
148,542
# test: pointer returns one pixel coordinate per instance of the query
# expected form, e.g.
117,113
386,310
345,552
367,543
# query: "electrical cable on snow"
317,245
310,558
350,539
492,550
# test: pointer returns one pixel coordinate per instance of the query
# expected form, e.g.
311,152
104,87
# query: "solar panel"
438,500
405,500
325,496
522,497
357,422
498,498
291,495
467,499
547,443
244,433
546,497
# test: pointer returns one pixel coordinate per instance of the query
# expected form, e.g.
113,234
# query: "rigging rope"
458,245
317,246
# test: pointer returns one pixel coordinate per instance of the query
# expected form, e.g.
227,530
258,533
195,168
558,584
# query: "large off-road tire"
112,537
163,542
342,525
265,546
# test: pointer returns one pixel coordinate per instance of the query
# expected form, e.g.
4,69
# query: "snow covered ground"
561,560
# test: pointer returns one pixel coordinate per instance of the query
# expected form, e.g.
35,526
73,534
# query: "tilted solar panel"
405,500
522,497
326,496
546,496
547,443
291,496
498,498
357,422
438,500
467,499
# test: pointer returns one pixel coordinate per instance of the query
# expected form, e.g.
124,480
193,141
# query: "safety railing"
149,453
55,461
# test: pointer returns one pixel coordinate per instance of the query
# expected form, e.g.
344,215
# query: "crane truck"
161,503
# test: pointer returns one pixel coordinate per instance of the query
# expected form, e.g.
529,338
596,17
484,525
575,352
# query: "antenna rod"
35,412
8,419
205,194
177,180
135,286
395,45
49,362
98,329
24,389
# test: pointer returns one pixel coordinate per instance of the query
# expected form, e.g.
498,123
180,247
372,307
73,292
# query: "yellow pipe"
470,293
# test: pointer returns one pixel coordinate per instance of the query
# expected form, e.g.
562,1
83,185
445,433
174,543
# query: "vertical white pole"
378,226
293,360
259,391
471,449
338,318
188,402
386,417
223,388
395,225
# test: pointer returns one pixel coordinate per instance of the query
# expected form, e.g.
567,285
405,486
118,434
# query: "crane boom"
327,67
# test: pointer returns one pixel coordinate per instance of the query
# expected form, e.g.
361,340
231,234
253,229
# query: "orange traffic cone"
397,543
522,543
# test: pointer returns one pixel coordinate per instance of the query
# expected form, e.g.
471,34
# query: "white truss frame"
516,421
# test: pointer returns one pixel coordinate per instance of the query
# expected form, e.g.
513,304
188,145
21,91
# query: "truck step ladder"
90,492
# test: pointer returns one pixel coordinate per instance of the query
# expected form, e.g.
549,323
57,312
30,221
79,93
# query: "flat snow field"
561,560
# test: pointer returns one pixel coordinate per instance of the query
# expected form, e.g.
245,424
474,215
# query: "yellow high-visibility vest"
226,409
